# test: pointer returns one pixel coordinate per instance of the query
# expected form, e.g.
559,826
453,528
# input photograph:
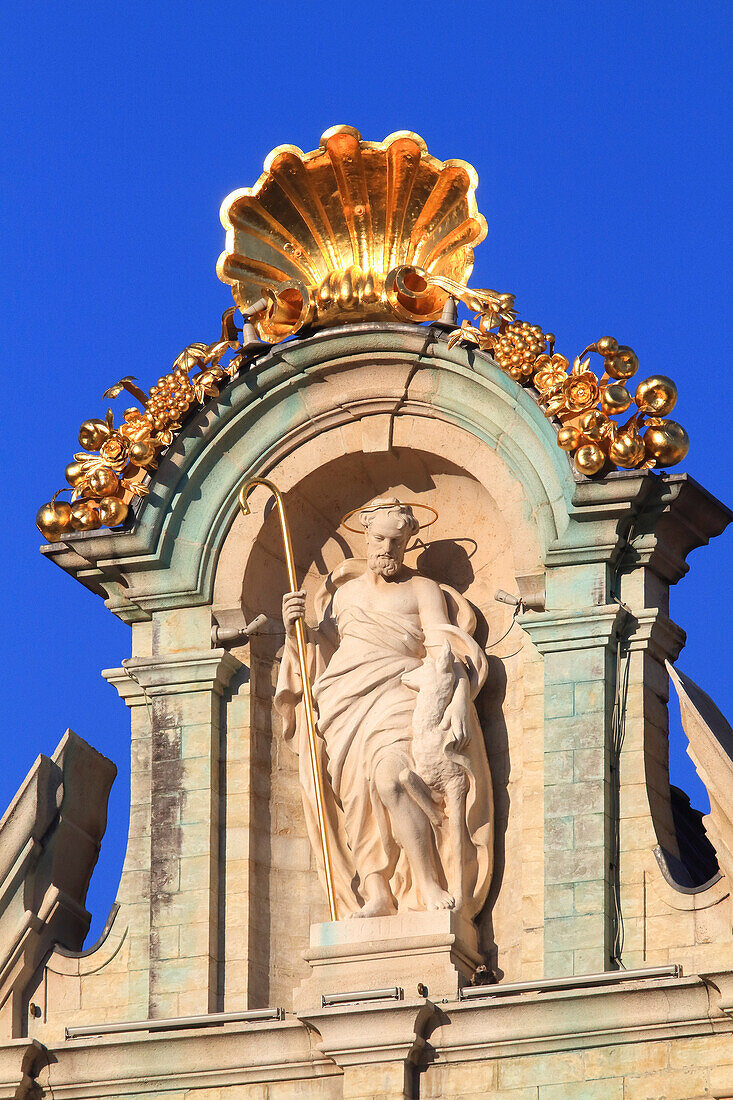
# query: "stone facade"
219,891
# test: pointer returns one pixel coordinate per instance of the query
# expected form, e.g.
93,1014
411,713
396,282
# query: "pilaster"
577,649
604,637
170,881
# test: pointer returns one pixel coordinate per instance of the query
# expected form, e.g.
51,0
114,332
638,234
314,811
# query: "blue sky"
601,135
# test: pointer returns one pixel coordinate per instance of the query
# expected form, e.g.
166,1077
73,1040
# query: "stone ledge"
633,1012
213,1057
177,674
561,631
321,1043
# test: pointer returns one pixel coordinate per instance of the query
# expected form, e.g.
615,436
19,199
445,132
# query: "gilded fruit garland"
109,473
582,401
362,231
110,470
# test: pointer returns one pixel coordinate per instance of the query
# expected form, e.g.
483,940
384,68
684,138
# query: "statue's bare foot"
379,900
377,907
439,899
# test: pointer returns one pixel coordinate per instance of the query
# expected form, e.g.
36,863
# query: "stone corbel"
666,515
376,1045
173,674
677,517
21,1061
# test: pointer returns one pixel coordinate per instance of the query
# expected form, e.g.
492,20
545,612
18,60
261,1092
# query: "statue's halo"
392,504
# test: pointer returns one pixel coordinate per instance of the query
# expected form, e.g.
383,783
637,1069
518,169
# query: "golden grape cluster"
170,399
517,346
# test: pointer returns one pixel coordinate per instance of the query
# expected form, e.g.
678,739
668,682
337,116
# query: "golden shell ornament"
356,231
348,232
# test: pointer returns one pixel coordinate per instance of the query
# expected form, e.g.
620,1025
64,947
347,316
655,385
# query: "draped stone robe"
364,711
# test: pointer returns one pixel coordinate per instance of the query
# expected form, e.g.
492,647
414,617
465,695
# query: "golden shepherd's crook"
307,696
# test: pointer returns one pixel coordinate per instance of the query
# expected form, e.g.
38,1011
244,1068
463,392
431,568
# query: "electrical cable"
517,609
618,733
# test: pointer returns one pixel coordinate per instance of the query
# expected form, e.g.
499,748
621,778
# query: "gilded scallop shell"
323,235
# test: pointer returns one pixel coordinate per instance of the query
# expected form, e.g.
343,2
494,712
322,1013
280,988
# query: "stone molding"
323,1043
21,1061
168,559
578,628
173,674
680,516
139,1064
634,1012
667,516
692,901
358,1035
656,633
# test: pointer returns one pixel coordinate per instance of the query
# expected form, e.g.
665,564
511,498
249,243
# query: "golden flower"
581,391
551,372
114,451
136,426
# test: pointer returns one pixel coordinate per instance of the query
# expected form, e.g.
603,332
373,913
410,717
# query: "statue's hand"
293,609
456,719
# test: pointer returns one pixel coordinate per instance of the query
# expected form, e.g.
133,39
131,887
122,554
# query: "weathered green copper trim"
167,559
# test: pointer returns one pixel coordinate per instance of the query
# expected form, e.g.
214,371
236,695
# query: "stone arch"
298,392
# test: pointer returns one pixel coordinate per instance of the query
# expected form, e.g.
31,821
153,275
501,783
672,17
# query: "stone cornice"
560,631
167,558
639,517
632,1012
173,674
678,517
142,1064
322,1042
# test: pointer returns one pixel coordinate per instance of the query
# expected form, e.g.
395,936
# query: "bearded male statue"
407,788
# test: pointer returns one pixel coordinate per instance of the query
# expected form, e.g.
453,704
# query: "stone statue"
394,671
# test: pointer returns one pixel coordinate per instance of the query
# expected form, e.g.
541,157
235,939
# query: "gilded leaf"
229,331
136,488
126,383
191,356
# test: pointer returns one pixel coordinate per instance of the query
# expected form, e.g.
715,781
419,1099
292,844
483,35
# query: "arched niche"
485,536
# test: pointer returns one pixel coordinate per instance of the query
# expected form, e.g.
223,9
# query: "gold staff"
307,696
